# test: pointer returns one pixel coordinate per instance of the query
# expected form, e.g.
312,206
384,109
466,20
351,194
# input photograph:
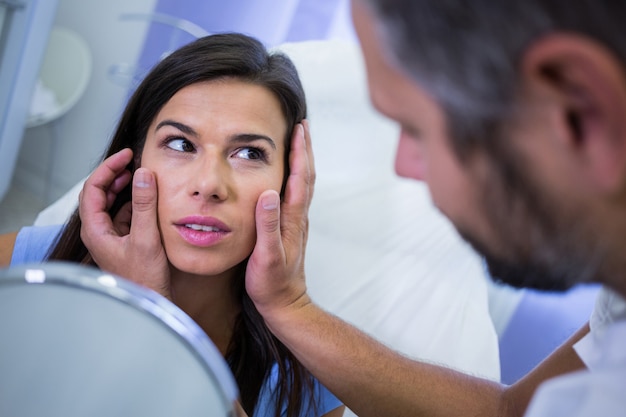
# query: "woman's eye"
250,153
180,145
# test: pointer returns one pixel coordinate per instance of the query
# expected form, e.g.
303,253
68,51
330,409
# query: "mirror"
75,341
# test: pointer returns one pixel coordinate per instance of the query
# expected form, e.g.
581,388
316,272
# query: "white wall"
85,129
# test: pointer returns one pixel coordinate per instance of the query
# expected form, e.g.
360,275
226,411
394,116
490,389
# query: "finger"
298,188
298,193
268,250
310,181
121,221
275,270
94,197
310,155
121,181
267,258
144,228
106,181
104,176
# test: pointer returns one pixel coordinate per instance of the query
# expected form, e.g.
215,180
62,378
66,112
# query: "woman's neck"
210,301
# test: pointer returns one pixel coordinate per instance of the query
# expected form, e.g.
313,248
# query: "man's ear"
590,84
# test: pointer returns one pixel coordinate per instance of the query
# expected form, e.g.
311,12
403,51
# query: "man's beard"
546,273
544,245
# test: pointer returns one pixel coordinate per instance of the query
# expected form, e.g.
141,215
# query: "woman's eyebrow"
239,138
251,137
180,126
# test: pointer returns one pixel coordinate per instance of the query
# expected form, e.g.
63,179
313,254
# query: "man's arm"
373,380
368,377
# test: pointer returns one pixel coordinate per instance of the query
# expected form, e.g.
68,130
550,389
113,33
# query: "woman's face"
214,147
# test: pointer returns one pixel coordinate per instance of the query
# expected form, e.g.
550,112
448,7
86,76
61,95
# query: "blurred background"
67,68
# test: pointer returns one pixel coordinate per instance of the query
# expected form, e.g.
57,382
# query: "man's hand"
275,275
130,244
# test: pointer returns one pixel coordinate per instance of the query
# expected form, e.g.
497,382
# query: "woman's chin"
200,268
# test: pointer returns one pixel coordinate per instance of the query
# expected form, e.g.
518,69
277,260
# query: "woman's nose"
211,177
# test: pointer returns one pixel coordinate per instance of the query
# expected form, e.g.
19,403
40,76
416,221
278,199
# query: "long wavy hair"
253,349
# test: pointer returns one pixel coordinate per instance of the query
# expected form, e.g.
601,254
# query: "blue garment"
326,401
32,245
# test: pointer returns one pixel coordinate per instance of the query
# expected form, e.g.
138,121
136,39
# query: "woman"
213,122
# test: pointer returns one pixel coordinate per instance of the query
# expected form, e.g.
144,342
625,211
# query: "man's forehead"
381,75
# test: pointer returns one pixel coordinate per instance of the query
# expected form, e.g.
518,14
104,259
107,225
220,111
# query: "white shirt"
599,390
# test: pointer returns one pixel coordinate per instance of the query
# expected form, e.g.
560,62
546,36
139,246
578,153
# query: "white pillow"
379,254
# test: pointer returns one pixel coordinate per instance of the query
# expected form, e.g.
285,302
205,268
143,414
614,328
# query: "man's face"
424,152
525,233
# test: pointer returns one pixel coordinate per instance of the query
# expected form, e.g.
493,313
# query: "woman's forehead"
225,104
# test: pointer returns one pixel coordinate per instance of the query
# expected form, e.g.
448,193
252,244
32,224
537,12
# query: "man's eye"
180,145
411,132
250,153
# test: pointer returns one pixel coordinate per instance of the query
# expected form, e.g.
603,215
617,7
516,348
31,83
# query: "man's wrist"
281,317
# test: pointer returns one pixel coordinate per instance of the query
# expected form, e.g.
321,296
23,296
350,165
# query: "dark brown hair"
253,349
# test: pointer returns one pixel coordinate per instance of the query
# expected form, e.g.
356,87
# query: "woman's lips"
201,231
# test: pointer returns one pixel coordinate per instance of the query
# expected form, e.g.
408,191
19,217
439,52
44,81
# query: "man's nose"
410,161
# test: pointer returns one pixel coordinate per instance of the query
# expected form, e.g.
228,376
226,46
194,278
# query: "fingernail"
141,179
270,201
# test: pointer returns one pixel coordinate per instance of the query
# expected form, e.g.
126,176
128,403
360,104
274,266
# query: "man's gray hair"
466,53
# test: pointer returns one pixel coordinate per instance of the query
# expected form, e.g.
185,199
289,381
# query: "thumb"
144,216
268,249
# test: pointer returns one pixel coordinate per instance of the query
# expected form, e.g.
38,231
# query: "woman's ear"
590,86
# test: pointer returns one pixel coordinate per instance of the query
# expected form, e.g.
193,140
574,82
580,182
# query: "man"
513,113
